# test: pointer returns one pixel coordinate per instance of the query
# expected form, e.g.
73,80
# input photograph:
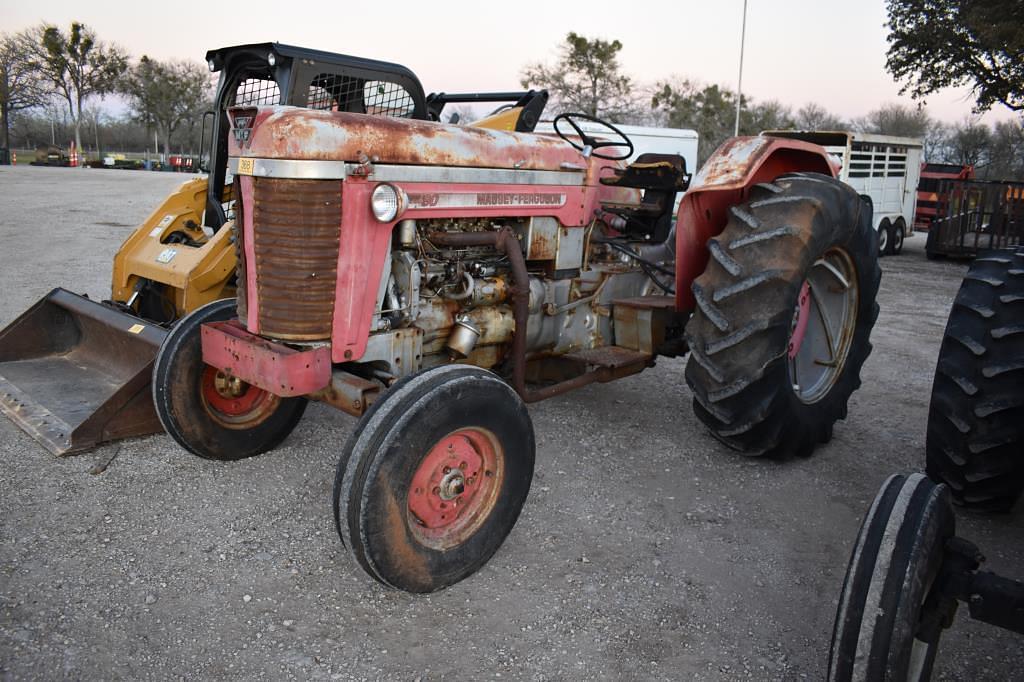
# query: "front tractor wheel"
784,312
209,413
433,478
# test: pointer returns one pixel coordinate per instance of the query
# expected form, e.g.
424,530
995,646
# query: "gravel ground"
646,550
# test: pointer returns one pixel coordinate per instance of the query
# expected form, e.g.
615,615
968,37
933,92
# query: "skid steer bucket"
74,373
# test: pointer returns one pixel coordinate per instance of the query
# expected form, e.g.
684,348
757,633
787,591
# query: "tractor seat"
665,172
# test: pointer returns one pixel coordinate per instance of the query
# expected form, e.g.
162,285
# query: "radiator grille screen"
296,228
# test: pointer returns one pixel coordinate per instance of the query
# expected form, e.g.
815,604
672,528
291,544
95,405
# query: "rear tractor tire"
975,438
784,311
433,478
209,414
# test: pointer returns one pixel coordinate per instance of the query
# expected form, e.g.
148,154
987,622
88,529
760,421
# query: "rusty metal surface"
296,232
74,373
241,289
612,357
652,302
349,393
293,133
724,181
276,368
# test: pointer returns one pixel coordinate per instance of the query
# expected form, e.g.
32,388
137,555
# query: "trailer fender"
724,181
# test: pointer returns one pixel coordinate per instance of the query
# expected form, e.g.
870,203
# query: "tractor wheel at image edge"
884,628
208,413
784,312
433,477
975,438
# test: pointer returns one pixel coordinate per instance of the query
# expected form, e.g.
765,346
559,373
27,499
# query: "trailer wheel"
899,233
884,237
885,627
975,438
433,478
784,312
209,414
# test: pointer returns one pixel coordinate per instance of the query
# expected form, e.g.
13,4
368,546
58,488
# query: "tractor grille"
296,228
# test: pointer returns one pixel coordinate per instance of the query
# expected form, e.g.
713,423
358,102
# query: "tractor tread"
745,285
745,217
724,259
975,439
1007,331
740,242
709,309
969,343
960,379
984,311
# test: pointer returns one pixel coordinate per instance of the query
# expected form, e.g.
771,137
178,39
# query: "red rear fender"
725,180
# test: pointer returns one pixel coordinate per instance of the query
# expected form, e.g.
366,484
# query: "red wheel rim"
233,402
455,487
800,319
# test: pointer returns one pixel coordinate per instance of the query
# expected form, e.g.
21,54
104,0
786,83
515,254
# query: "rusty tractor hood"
294,133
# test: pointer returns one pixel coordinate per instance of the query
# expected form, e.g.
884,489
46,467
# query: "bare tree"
813,116
968,143
78,67
1006,156
21,84
167,94
897,119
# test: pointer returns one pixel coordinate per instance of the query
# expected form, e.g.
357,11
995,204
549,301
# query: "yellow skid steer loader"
75,372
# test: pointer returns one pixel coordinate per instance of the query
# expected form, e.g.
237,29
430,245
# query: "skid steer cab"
75,372
433,279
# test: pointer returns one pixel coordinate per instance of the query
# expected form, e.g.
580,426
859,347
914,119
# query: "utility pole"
739,85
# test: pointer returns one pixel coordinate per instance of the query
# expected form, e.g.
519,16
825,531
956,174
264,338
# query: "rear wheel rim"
455,487
883,238
232,403
823,325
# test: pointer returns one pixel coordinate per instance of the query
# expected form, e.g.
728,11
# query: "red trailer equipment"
929,194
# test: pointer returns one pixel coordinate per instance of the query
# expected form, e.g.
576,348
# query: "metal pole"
739,86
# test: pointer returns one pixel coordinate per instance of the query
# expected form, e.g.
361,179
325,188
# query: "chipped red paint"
271,366
252,301
362,252
455,487
306,134
725,180
800,320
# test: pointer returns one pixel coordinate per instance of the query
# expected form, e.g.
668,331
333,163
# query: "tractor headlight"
272,59
387,202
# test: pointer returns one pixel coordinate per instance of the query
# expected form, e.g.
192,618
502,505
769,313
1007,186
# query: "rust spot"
306,134
402,554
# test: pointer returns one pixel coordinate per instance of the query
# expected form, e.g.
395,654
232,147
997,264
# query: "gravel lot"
646,550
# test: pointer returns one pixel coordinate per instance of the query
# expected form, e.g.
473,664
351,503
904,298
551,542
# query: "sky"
797,51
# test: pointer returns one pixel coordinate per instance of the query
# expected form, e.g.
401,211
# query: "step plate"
612,357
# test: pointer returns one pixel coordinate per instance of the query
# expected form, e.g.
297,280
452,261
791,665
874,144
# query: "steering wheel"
589,141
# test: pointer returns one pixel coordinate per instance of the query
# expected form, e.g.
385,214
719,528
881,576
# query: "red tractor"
433,279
